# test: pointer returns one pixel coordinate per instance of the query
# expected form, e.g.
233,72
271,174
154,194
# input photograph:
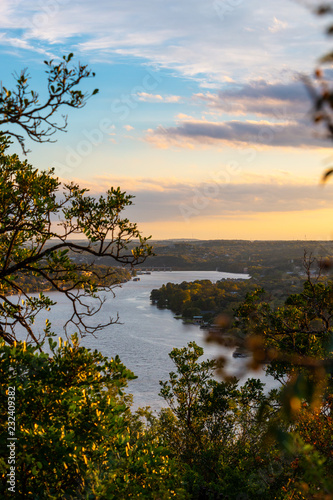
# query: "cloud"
20,43
8,13
143,96
203,47
171,200
276,100
128,128
189,134
277,25
275,115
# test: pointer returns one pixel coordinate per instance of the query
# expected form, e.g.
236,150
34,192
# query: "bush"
76,436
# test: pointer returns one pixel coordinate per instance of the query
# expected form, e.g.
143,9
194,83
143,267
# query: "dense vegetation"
202,297
77,438
258,258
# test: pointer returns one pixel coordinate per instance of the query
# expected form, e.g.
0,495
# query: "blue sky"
201,113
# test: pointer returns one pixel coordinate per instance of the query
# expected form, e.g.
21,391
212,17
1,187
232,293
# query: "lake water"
146,334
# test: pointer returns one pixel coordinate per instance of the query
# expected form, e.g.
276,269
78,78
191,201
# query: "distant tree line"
100,276
260,258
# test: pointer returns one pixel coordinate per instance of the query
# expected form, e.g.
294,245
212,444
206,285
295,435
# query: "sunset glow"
201,113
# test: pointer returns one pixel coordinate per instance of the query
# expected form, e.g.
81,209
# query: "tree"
212,426
294,342
31,243
21,108
320,90
75,435
295,337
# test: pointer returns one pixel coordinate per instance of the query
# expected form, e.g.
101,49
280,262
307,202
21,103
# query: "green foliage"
76,437
33,246
200,297
292,335
294,341
212,427
236,442
22,107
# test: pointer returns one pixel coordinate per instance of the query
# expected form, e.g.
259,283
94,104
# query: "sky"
202,113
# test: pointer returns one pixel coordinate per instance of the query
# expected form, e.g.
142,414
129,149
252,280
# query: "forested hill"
238,256
253,257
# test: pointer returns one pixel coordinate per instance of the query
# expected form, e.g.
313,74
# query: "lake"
146,334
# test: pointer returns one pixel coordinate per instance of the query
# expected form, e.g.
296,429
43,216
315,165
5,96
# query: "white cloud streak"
145,97
188,37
